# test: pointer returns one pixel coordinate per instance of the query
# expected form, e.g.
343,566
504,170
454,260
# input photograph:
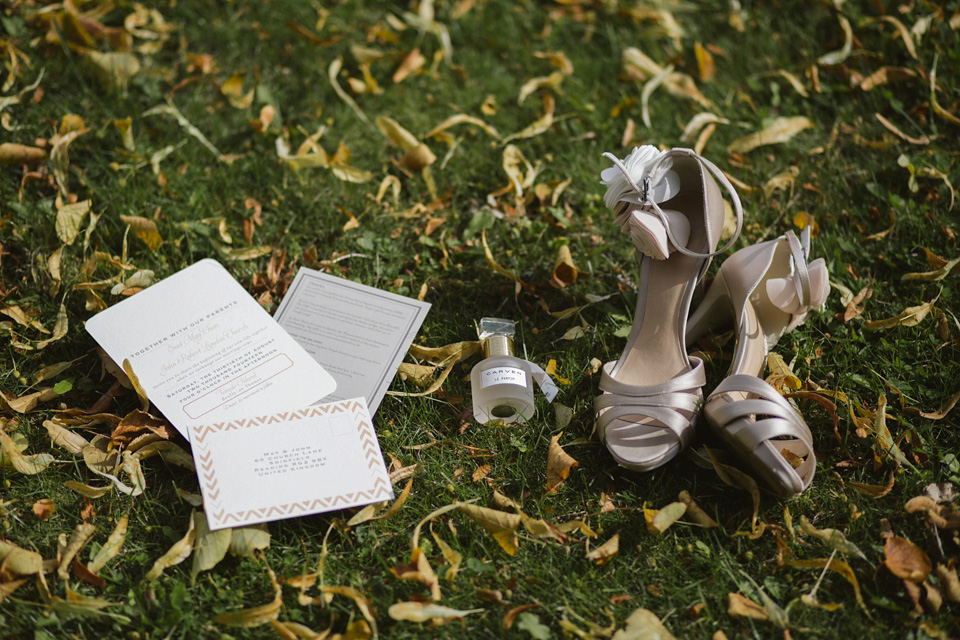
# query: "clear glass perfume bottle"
502,384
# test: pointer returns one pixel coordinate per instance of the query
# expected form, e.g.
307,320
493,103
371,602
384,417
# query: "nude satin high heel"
672,208
765,290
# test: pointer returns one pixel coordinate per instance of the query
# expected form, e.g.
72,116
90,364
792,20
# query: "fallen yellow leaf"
605,552
779,131
502,526
422,612
559,464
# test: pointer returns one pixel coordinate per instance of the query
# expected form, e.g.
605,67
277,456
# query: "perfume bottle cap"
497,336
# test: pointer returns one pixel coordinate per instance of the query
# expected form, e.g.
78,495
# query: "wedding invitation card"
204,349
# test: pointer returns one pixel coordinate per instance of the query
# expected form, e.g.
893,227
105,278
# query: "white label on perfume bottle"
503,375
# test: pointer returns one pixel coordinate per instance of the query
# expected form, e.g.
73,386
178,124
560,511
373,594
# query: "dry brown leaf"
841,54
538,126
44,508
840,567
145,229
559,464
643,624
739,606
171,110
783,181
874,490
892,128
947,268
210,547
558,59
564,271
13,153
6,588
606,552
19,562
60,327
794,82
902,31
69,219
781,376
86,490
25,464
660,520
502,526
695,513
246,541
551,81
411,63
423,612
942,516
442,355
255,616
706,67
906,560
947,575
176,554
419,570
780,130
886,75
453,557
832,538
169,452
697,123
114,69
60,158
462,118
939,110
78,539
111,547
232,90
942,412
909,317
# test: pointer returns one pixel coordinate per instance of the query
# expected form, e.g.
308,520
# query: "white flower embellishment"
662,184
645,178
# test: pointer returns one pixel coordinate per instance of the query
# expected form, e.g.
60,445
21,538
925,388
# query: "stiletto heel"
769,288
671,206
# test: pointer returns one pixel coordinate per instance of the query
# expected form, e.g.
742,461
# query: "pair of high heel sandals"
670,204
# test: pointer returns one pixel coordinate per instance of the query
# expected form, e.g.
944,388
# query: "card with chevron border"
289,464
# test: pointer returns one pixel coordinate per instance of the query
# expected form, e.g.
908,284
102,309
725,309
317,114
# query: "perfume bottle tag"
546,384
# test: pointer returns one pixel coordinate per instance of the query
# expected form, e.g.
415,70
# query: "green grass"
848,179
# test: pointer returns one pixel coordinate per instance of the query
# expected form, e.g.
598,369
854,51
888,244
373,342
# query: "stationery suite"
245,392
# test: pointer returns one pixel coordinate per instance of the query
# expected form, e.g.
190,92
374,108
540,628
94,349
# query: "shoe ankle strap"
643,190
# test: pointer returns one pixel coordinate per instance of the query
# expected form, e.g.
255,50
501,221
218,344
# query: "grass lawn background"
248,133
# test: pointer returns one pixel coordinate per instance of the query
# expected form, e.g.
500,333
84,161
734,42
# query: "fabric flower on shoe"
663,183
638,212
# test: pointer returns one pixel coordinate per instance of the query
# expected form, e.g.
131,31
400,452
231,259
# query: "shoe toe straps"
762,416
672,404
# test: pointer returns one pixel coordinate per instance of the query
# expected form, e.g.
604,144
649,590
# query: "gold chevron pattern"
380,490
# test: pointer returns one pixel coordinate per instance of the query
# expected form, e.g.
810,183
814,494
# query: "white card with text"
204,349
288,464
357,333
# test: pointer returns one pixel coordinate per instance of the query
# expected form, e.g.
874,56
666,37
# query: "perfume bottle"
502,384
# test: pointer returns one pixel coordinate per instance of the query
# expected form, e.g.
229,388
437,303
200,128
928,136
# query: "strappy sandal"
670,205
767,289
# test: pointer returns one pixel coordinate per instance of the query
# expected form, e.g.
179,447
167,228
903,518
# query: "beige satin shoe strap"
671,405
754,415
